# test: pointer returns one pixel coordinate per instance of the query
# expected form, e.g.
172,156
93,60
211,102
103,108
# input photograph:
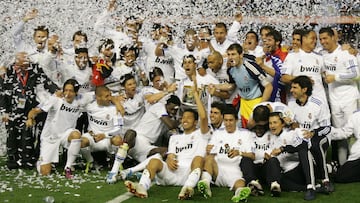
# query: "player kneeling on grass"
59,127
225,150
185,158
105,127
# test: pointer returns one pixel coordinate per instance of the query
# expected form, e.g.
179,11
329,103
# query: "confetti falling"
64,17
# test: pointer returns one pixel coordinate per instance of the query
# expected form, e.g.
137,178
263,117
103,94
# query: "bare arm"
267,92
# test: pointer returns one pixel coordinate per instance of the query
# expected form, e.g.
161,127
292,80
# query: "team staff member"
18,97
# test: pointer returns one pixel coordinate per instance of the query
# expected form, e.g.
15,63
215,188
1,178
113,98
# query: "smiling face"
216,117
329,43
230,123
296,91
276,124
309,41
188,121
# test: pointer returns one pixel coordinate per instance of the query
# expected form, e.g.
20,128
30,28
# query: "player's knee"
197,162
85,142
130,138
74,135
154,163
116,140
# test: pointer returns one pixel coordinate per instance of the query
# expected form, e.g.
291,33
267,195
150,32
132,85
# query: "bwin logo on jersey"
225,149
98,122
310,69
68,109
180,149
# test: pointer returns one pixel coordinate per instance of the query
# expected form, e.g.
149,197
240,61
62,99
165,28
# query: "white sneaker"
137,189
204,188
186,192
275,189
256,188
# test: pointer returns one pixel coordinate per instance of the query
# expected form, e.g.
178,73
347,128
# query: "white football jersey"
187,146
134,110
104,119
345,68
312,115
262,146
150,125
223,142
352,127
61,116
309,64
288,161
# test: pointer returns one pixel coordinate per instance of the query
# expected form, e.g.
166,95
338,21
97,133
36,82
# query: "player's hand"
260,61
172,87
209,148
99,137
211,89
30,15
30,122
329,78
172,162
238,17
275,152
267,156
233,153
308,134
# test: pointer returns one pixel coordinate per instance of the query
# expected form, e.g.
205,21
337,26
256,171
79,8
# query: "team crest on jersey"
239,141
284,142
107,117
192,137
309,116
336,59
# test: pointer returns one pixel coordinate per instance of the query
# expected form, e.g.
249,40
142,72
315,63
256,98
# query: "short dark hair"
276,113
42,28
80,33
261,113
229,109
106,42
173,99
74,83
266,27
156,71
193,111
81,50
127,48
304,82
276,35
305,33
221,25
297,32
125,78
327,30
219,106
236,47
253,32
100,89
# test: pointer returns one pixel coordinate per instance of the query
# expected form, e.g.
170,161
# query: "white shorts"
228,174
49,151
340,113
174,178
141,149
102,145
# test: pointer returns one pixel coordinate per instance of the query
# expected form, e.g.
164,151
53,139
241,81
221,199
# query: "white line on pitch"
121,198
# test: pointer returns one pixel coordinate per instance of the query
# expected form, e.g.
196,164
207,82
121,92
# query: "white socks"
193,178
73,151
145,179
206,176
